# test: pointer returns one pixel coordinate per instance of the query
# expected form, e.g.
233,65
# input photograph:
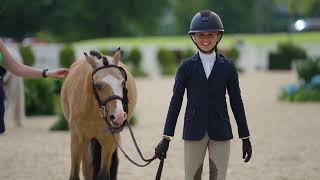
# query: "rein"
112,130
148,161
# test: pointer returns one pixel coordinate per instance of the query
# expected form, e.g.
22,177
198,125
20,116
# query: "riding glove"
246,150
162,148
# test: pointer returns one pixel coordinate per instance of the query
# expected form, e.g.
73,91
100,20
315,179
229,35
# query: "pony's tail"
96,157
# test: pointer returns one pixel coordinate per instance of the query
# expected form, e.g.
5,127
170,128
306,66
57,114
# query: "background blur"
274,44
73,20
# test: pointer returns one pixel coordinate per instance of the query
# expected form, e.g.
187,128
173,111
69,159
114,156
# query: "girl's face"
206,40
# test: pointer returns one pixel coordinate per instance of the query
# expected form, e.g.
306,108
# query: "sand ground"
285,137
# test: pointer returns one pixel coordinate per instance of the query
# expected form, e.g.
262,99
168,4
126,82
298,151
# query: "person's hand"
58,73
246,150
162,148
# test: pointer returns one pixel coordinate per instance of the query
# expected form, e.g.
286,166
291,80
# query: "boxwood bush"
167,61
304,94
67,56
27,54
309,68
134,62
283,57
39,97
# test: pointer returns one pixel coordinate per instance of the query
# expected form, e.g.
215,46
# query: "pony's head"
109,87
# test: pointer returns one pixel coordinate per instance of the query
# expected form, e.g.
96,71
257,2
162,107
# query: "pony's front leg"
76,155
87,168
107,150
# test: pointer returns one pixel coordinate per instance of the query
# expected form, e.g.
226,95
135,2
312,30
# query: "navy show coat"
206,109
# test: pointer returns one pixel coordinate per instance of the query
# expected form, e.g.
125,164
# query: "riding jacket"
206,109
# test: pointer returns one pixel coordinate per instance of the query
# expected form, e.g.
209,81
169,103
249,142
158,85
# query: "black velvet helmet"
206,21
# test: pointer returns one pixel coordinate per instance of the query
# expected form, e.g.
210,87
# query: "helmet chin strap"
211,50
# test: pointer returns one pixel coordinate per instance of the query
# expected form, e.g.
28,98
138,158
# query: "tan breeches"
194,153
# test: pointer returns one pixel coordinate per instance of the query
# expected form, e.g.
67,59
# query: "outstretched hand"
58,73
246,150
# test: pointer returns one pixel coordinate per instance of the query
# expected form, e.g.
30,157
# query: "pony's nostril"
112,117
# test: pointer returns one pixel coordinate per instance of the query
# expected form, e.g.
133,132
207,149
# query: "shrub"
39,97
303,94
307,69
315,81
134,60
166,60
27,54
60,124
138,72
285,54
134,57
56,86
187,53
233,54
133,120
106,52
67,56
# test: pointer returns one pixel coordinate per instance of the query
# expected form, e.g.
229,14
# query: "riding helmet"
206,21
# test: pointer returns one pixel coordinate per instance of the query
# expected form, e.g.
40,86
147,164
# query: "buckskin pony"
97,96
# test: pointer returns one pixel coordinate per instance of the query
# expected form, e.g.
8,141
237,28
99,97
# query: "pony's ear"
91,60
117,56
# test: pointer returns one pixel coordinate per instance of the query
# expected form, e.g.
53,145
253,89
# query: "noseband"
103,103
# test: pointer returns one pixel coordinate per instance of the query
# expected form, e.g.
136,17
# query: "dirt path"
285,138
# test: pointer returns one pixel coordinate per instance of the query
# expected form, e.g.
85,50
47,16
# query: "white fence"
252,57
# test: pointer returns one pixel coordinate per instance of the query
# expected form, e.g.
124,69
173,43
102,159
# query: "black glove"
162,148
246,150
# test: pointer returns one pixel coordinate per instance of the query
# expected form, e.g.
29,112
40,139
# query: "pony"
97,96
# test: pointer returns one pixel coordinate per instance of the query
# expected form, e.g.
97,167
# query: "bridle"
125,102
103,103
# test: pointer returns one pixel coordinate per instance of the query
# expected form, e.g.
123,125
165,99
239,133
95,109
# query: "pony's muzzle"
118,118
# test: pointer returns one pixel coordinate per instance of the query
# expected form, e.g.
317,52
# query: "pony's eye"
98,87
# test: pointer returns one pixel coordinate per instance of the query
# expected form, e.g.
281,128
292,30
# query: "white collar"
207,57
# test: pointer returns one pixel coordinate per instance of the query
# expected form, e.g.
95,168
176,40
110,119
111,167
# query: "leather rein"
103,107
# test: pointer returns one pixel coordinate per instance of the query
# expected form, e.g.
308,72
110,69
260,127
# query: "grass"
228,39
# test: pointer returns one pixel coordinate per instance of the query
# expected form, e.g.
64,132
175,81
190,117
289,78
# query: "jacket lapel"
215,68
199,66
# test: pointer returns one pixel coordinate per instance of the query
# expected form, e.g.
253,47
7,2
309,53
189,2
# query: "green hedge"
283,57
60,124
303,94
187,53
307,69
167,61
67,56
108,52
27,54
39,97
134,57
134,62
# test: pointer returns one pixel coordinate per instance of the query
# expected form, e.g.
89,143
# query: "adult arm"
25,71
